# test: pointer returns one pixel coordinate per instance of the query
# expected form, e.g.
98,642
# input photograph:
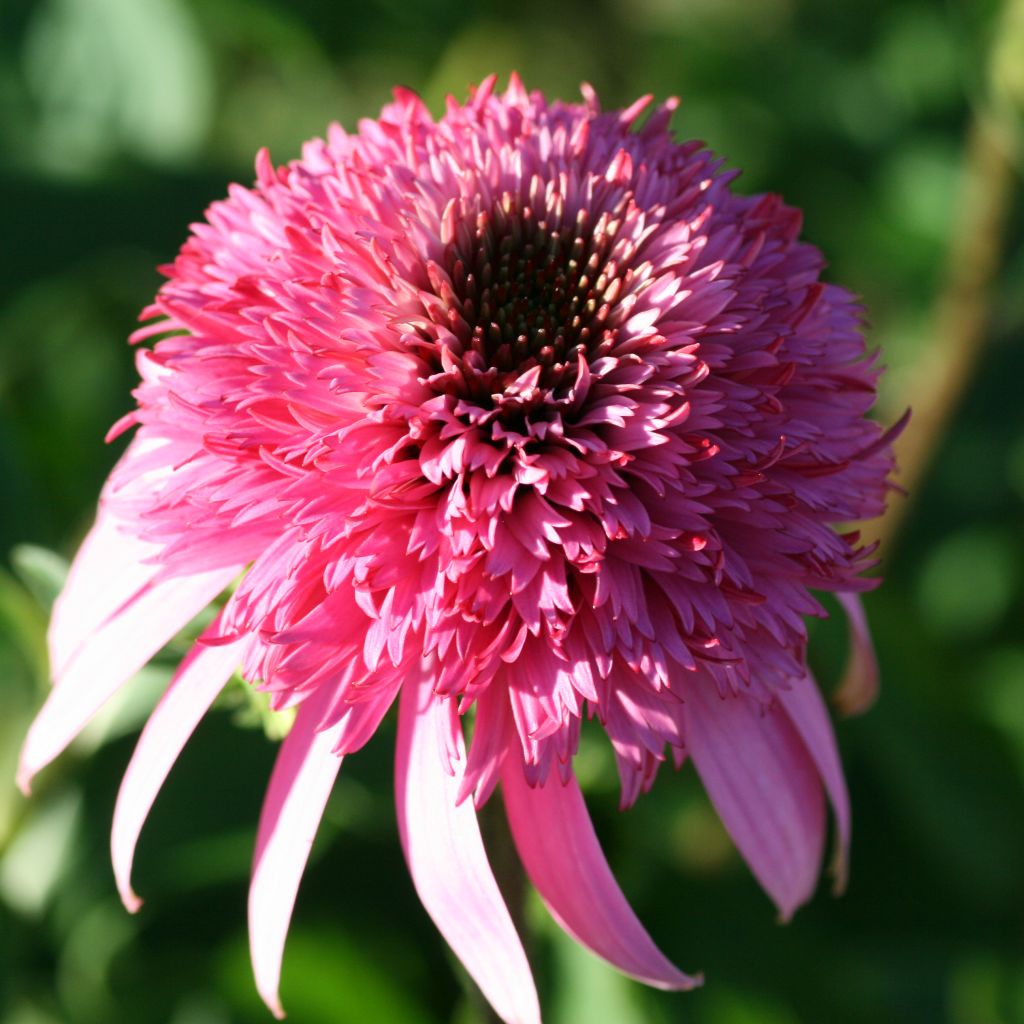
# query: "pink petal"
764,786
859,687
806,709
562,856
193,689
300,784
112,655
446,857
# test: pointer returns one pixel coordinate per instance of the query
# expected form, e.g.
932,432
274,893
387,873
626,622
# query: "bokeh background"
898,126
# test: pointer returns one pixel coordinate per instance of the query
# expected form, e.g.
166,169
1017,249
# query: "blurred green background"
897,126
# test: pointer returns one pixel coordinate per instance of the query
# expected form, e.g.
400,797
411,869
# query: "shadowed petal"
446,857
859,686
806,709
193,689
764,786
563,858
114,653
300,784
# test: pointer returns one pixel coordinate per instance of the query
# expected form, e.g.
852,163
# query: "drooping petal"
193,689
562,857
764,786
300,784
110,568
446,857
114,653
859,686
806,709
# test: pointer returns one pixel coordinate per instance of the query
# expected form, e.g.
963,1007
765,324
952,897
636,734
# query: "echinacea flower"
513,417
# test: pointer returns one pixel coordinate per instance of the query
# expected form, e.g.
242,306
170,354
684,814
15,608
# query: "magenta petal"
193,689
446,858
859,687
806,709
764,786
562,856
114,653
300,784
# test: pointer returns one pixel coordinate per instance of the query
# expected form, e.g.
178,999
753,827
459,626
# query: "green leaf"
41,570
23,621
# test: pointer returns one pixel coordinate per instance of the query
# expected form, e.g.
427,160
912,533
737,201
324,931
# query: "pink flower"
514,417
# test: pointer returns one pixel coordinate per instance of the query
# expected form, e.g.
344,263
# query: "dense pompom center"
533,292
526,289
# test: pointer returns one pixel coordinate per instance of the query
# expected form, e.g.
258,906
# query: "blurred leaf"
946,793
731,1007
117,76
41,570
125,712
588,988
730,16
982,990
966,584
26,1013
209,861
200,1008
23,620
327,979
36,858
1002,696
87,953
1015,467
534,50
280,85
698,839
912,30
1006,70
919,183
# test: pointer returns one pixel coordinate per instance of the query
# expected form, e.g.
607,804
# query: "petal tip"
786,910
130,900
692,981
273,1004
677,982
838,869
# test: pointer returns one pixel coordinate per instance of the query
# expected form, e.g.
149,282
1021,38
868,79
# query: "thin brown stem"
961,311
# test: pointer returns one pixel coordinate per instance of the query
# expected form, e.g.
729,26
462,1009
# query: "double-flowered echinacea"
508,419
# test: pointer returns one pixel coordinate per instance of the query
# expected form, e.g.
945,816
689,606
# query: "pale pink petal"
446,858
109,569
806,709
764,786
859,686
562,857
114,653
193,689
300,784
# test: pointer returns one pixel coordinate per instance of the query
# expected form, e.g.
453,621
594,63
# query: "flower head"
518,416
